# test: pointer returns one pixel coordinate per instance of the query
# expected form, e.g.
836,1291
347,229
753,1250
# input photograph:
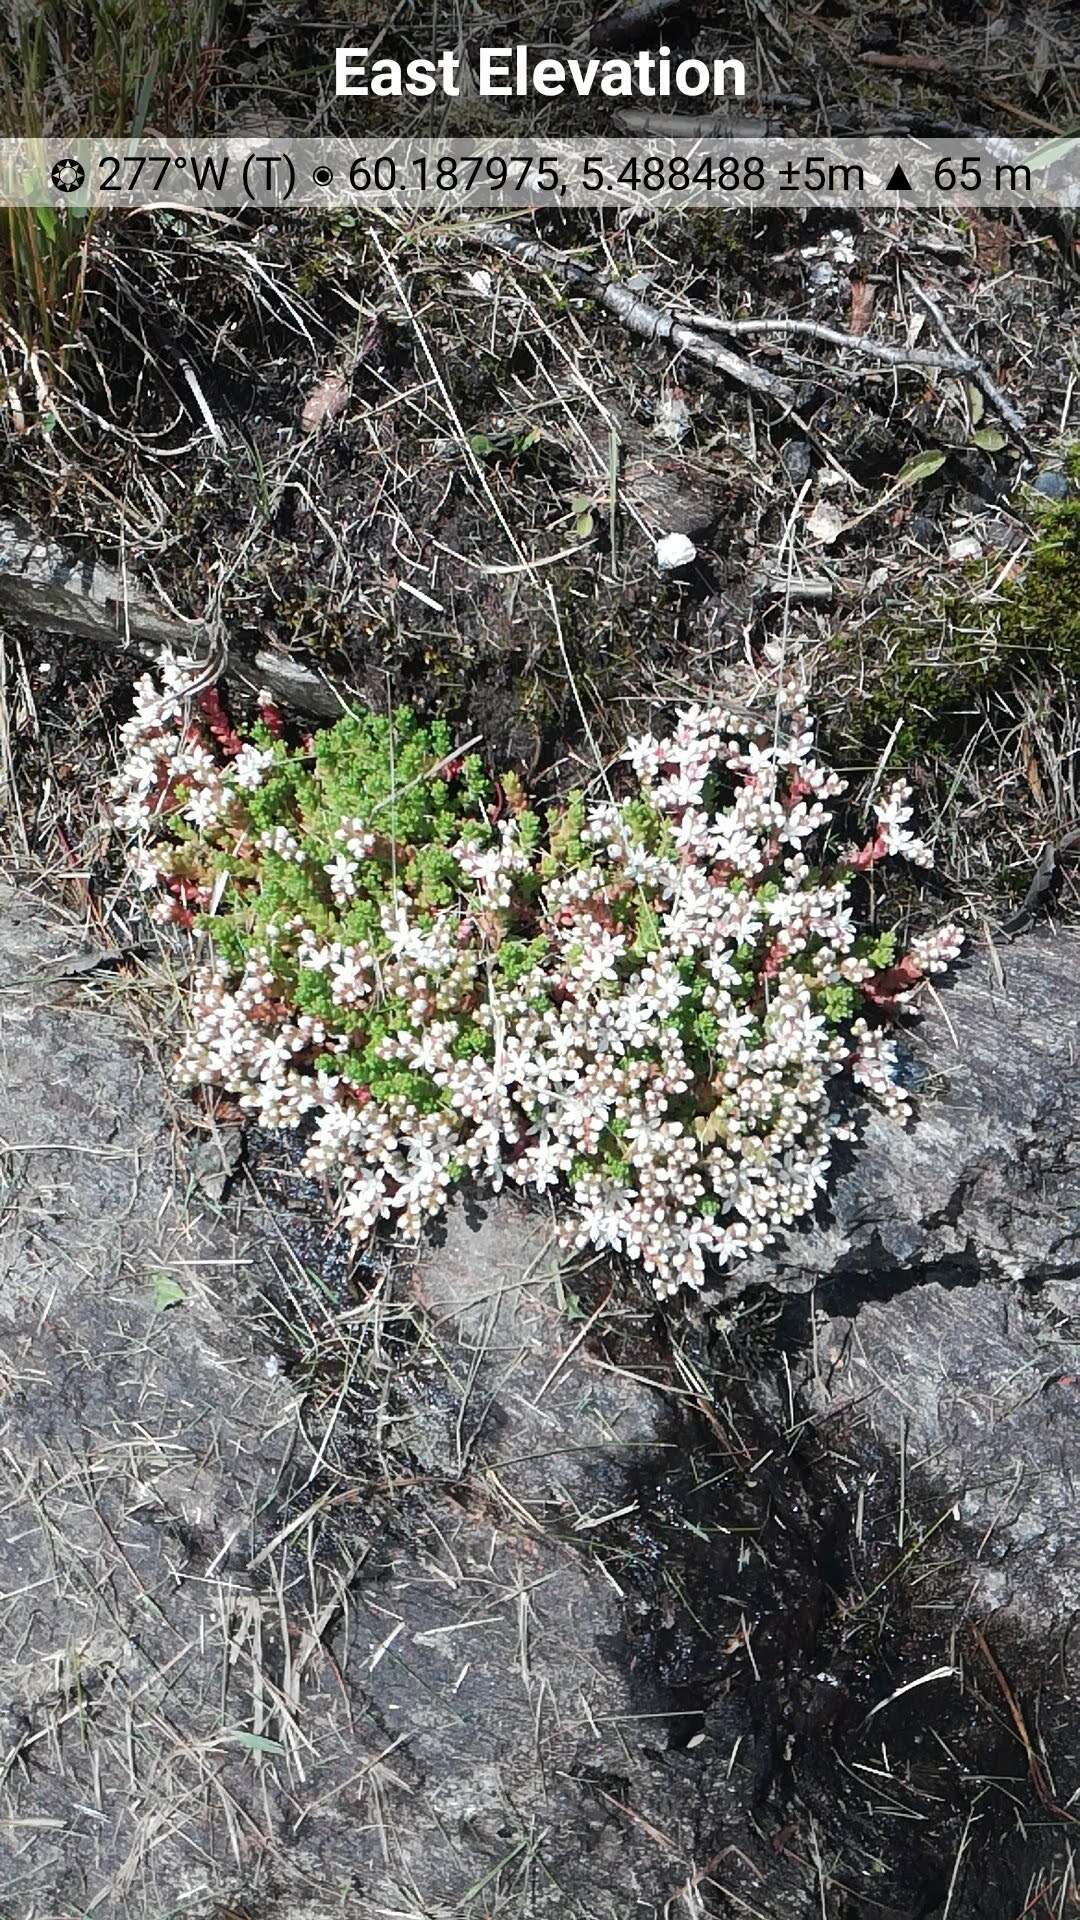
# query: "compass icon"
68,175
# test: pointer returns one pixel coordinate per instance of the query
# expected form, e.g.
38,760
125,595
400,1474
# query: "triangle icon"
898,181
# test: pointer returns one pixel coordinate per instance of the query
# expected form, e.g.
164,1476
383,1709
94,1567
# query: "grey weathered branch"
953,358
1042,884
978,373
51,590
638,316
693,126
958,362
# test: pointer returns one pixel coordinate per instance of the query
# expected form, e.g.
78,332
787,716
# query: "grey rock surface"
521,1643
985,1182
450,1590
979,1386
1051,484
267,1651
945,1276
137,1445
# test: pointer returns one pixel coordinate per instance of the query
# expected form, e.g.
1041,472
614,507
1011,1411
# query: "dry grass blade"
1036,1766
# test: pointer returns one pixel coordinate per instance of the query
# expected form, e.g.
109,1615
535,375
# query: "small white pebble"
674,550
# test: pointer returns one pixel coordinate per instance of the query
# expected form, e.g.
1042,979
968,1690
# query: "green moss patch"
929,671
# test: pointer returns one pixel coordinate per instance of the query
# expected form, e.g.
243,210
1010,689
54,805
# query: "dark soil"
386,551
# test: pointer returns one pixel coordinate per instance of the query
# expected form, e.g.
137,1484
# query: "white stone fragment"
673,551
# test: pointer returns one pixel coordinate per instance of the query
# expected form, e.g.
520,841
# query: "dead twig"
647,322
903,62
977,372
1041,884
943,362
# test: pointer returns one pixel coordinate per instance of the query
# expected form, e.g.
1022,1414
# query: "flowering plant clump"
645,999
